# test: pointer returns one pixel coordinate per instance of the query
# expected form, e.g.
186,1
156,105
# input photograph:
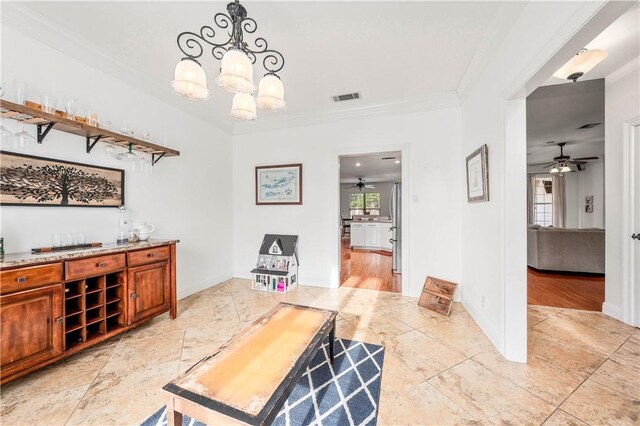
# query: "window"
364,203
542,202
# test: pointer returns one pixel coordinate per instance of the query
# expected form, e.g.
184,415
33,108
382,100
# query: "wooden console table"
56,304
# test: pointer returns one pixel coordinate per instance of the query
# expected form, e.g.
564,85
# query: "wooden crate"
437,295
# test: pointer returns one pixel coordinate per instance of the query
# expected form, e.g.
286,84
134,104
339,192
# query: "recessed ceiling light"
357,164
397,161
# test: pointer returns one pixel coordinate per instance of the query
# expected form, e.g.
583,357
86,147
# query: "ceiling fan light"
236,72
270,93
554,170
243,107
583,62
565,169
190,80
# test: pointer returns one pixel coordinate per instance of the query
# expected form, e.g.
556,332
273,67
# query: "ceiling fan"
360,185
560,164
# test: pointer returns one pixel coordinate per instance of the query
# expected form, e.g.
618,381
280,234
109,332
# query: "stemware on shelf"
70,107
6,136
92,118
48,104
21,89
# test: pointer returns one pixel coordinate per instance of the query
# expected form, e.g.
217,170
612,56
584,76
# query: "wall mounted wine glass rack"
93,134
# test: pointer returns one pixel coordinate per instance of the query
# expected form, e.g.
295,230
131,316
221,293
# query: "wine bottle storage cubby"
114,301
87,310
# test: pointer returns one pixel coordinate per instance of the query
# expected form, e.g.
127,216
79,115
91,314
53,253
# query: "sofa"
565,249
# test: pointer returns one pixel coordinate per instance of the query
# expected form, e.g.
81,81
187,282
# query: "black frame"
122,203
277,400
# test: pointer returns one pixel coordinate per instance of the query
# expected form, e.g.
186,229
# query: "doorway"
565,195
370,224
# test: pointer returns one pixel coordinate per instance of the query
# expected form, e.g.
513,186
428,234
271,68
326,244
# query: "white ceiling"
621,40
391,52
371,167
554,113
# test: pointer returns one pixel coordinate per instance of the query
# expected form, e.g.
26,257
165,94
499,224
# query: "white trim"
335,255
629,225
433,101
490,329
612,311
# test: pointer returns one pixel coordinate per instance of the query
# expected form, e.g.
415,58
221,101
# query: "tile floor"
584,368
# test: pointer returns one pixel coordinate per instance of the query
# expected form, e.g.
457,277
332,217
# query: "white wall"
434,182
187,197
384,188
622,103
578,185
494,251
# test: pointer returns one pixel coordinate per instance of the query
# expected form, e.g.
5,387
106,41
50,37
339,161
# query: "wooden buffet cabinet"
54,306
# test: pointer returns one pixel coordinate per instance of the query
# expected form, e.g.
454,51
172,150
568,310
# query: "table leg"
332,339
174,418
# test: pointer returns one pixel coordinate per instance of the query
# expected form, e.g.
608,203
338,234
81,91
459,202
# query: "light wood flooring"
583,367
367,269
564,290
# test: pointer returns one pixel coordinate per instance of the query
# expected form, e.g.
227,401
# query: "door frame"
365,150
629,224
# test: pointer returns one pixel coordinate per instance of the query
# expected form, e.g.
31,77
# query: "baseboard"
483,322
612,311
188,291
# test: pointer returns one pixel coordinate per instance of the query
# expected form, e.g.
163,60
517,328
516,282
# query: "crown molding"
501,23
433,101
38,27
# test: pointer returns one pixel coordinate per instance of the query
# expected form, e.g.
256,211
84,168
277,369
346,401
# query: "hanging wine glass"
5,135
22,138
129,155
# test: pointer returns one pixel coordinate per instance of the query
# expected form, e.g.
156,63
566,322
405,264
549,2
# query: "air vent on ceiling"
588,126
388,158
346,97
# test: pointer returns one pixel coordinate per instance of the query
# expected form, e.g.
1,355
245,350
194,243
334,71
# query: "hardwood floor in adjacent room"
565,290
367,269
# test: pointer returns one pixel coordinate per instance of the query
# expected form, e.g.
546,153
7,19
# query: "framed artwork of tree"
26,180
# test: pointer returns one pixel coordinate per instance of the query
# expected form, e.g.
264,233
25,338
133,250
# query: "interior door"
635,226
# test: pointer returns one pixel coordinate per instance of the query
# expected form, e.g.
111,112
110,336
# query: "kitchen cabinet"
31,327
56,305
357,235
371,235
149,292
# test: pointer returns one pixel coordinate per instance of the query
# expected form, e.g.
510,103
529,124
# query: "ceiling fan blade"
577,162
369,186
546,163
586,158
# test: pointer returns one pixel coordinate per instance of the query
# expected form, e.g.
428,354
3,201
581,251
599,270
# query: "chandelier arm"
273,61
218,52
249,25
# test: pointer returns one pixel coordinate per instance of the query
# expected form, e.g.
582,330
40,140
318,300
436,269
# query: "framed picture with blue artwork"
280,184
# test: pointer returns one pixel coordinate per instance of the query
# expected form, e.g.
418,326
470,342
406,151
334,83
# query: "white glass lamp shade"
270,93
243,107
236,72
580,64
565,169
190,80
554,170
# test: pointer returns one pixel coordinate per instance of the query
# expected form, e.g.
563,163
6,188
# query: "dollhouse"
277,266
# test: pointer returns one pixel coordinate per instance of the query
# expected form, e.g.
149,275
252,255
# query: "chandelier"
236,70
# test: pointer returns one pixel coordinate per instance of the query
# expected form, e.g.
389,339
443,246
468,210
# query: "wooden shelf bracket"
43,134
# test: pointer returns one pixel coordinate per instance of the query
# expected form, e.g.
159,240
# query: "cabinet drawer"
30,277
141,257
89,267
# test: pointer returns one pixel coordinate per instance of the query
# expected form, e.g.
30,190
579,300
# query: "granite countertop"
12,260
372,221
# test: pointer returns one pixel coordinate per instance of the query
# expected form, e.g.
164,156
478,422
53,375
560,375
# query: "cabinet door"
30,327
148,288
357,236
372,235
385,236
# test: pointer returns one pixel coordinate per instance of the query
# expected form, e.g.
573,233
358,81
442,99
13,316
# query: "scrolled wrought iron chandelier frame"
190,80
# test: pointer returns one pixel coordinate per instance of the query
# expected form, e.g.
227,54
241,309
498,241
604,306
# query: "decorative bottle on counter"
123,226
